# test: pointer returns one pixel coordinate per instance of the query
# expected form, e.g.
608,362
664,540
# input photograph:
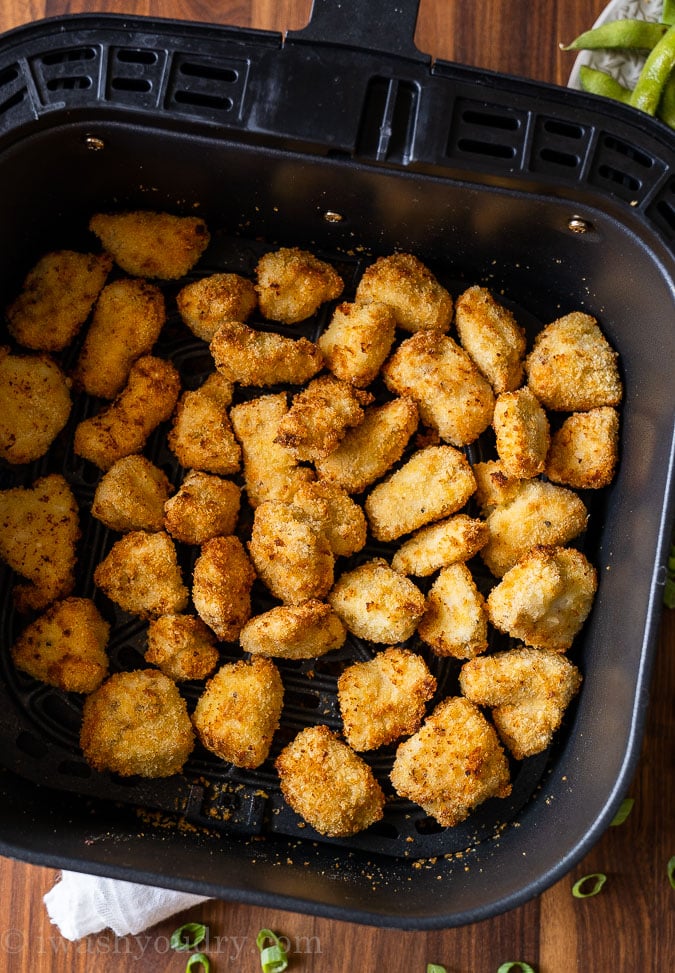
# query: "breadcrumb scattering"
452,764
357,341
131,495
204,506
204,304
320,416
292,284
489,332
263,358
455,620
201,435
182,646
304,631
377,603
221,586
141,574
148,244
137,723
402,281
34,405
458,538
585,450
329,785
340,518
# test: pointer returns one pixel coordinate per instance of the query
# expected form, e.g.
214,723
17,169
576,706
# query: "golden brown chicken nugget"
357,341
221,586
263,358
34,405
341,518
304,631
584,451
292,284
522,433
141,574
327,784
238,713
455,621
205,506
407,285
137,723
385,698
377,603
56,297
458,538
149,244
66,646
204,304
131,495
320,416
491,335
201,435
182,646
493,485
452,764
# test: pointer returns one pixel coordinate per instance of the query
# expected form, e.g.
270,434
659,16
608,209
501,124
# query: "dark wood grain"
631,925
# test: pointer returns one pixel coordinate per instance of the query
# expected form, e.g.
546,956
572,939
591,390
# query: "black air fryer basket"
555,200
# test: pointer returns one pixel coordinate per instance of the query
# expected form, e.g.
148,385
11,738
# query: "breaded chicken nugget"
452,764
340,518
489,332
369,450
141,574
434,483
528,690
262,358
39,531
123,427
572,367
131,495
128,318
271,472
291,553
452,395
205,506
148,244
458,538
455,621
304,631
493,485
137,723
320,416
403,282
221,586
55,299
522,433
545,598
201,435
357,341
204,304
585,450
182,646
238,713
384,699
34,405
65,647
292,284
327,784
377,603
537,513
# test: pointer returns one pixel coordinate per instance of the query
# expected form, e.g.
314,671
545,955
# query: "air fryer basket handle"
387,26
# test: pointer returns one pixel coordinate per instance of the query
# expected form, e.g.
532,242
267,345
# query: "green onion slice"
515,965
624,810
188,936
671,872
198,958
597,879
436,968
273,959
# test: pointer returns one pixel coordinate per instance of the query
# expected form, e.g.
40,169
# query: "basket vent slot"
61,75
624,169
558,146
204,86
492,132
12,90
662,209
387,126
135,75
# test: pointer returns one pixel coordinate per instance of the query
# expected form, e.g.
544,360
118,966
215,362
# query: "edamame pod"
654,75
620,34
600,83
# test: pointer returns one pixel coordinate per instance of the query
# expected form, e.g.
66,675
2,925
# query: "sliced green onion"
516,965
273,959
625,808
188,936
436,968
198,958
598,879
671,872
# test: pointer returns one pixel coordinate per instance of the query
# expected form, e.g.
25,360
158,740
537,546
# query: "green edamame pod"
600,83
654,75
668,13
620,34
666,109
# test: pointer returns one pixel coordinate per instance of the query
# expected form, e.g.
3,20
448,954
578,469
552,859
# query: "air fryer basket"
554,200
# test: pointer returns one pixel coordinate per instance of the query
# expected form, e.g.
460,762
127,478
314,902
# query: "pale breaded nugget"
537,513
434,483
452,395
205,304
489,332
304,631
127,320
205,506
320,416
452,764
292,284
238,713
455,621
585,450
39,531
545,598
201,435
221,586
291,552
148,244
522,433
493,485
262,358
357,341
34,405
137,723
131,495
141,574
528,691
572,367
377,603
65,647
369,450
182,646
123,427
327,784
271,472
384,699
55,299
340,518
403,282
458,538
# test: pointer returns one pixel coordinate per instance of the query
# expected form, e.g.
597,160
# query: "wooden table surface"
631,924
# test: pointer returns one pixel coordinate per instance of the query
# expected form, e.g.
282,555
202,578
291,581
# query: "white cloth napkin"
84,904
